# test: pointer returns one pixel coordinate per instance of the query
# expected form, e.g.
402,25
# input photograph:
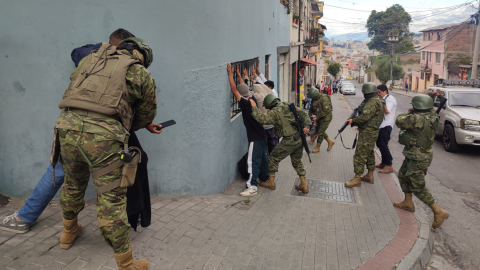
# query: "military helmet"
313,93
269,99
422,102
369,88
143,46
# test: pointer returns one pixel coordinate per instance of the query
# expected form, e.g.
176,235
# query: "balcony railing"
314,38
426,67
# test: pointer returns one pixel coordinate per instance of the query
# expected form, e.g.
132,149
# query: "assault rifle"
352,116
299,126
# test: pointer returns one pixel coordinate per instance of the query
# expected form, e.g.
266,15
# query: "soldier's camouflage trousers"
322,125
412,179
287,147
364,154
111,205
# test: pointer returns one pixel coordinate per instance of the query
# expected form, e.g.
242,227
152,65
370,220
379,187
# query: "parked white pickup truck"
460,118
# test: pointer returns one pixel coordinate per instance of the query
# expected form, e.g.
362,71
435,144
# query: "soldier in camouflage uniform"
91,134
281,117
369,120
417,134
321,107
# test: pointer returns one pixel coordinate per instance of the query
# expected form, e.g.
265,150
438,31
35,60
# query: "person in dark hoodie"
45,190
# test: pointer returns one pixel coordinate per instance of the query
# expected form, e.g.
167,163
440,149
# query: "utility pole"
299,47
475,49
391,69
392,39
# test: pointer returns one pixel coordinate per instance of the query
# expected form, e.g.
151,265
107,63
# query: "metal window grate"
246,64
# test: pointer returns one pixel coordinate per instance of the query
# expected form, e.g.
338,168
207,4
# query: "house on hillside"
441,47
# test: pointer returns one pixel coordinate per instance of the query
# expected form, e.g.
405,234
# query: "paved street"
276,230
453,179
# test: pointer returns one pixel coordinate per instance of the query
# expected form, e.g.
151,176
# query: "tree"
334,69
394,19
382,69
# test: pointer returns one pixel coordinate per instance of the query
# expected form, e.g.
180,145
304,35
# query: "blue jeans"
309,101
42,194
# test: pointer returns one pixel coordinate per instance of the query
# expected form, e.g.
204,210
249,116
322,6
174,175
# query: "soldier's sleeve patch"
365,111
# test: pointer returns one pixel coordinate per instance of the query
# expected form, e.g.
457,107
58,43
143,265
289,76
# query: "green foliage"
334,68
404,45
462,59
412,61
382,69
394,19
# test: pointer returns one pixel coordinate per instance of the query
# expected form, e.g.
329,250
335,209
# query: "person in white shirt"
262,80
386,129
272,139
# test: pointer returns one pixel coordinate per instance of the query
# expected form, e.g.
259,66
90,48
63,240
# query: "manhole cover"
327,190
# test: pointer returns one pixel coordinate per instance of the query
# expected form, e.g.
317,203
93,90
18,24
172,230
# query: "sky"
425,13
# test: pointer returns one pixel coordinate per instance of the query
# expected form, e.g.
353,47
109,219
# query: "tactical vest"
318,106
286,118
424,139
377,119
99,85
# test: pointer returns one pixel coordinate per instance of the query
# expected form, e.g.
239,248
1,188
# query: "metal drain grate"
326,190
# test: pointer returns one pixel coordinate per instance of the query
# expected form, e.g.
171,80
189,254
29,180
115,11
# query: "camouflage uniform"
288,146
417,159
368,122
101,137
322,109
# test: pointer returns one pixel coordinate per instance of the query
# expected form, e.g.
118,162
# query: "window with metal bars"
246,64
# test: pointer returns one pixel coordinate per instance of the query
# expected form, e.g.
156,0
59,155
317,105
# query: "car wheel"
449,142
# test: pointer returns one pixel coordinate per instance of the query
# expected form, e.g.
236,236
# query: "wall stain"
19,87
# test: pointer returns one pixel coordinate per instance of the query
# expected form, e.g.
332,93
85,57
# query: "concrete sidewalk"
276,230
403,93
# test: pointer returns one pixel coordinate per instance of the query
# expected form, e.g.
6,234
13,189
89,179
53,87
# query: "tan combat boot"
313,138
126,261
407,203
71,230
270,183
330,144
303,187
368,177
439,215
355,182
387,169
317,148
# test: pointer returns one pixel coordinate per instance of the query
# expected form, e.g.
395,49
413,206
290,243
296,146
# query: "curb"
419,255
404,94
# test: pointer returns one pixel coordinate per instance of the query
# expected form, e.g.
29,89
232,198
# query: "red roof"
350,66
328,50
306,60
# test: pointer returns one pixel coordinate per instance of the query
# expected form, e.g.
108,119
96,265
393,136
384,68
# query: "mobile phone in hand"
167,124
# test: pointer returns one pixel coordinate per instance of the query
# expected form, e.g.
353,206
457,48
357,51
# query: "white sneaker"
249,192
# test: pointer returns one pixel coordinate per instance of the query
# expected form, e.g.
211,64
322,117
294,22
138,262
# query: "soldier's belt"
129,160
92,114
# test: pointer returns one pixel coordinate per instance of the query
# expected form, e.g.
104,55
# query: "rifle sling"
354,141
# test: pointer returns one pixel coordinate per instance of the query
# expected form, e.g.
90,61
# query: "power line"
430,10
354,3
419,18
